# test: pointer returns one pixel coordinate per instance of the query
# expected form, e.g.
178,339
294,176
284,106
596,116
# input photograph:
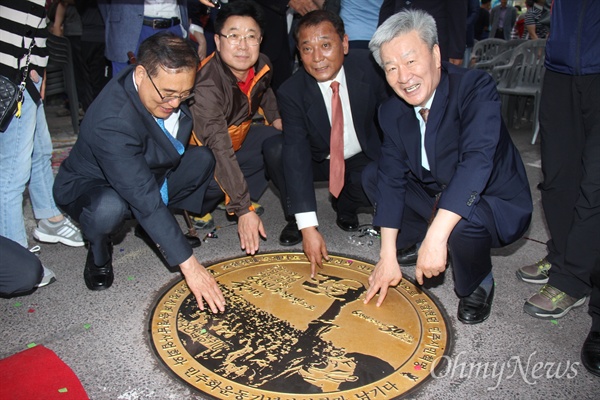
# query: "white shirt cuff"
306,219
196,28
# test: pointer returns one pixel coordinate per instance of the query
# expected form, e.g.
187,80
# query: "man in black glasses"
131,161
233,88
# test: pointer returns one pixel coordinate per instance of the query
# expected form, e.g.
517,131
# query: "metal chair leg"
188,222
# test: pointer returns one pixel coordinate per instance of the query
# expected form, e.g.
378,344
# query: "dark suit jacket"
275,42
306,126
121,145
470,153
450,18
509,21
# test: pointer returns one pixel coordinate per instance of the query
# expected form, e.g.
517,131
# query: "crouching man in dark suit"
130,161
307,103
449,176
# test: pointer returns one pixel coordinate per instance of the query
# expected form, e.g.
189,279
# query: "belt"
161,23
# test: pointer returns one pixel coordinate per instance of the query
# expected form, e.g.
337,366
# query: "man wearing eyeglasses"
232,88
131,161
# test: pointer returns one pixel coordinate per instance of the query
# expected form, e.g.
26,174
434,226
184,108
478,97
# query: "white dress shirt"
424,159
351,144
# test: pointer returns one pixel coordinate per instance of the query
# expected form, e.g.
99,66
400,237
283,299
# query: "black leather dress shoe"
407,257
192,240
348,224
590,353
290,235
476,307
97,278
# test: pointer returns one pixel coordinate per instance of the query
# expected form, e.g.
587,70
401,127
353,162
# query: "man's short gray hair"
400,24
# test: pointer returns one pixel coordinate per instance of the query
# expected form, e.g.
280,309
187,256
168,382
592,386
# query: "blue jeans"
25,158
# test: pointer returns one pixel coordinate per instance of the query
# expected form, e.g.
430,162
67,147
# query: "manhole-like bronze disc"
286,336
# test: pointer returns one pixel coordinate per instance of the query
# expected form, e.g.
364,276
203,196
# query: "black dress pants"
352,196
469,244
570,148
101,212
252,164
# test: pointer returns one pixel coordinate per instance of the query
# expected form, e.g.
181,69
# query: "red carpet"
38,373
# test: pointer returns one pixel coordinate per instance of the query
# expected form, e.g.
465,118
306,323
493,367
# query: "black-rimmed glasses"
166,99
234,39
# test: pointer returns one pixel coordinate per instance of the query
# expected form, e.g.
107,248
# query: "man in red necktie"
329,132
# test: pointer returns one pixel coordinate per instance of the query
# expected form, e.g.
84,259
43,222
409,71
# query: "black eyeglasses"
234,39
166,99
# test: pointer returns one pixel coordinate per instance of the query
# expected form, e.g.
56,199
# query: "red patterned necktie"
336,162
424,113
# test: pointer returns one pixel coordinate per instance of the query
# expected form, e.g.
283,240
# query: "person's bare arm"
57,27
531,31
303,6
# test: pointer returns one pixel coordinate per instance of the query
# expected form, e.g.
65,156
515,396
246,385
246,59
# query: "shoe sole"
472,322
98,288
42,284
531,310
42,237
531,280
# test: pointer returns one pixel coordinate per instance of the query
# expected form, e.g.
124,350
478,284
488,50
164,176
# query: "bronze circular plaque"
286,336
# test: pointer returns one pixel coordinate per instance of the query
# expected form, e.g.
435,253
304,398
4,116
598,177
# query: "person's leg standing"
146,32
582,250
16,147
42,178
563,143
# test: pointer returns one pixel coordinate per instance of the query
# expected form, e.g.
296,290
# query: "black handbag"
11,95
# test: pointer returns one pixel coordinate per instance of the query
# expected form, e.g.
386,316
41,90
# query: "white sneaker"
53,232
48,277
